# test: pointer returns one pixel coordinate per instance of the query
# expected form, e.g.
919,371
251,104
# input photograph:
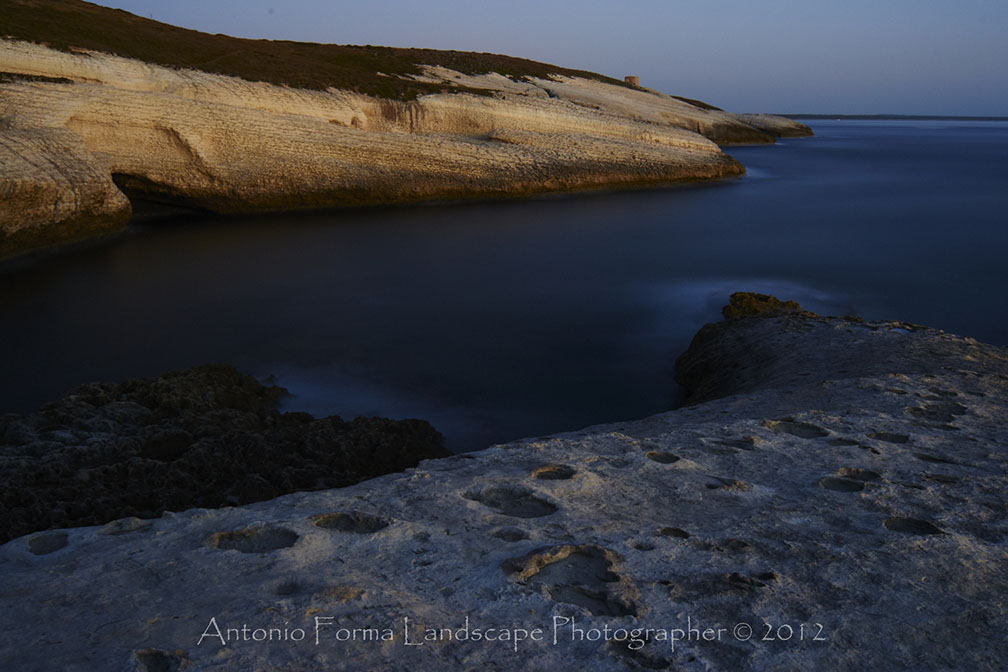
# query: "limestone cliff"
837,504
53,189
777,126
72,121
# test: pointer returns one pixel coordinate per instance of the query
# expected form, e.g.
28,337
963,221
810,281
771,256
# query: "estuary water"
497,321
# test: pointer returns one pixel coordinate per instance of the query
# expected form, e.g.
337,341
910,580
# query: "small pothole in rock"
287,587
47,542
803,430
350,521
841,484
554,472
674,532
662,457
585,575
745,443
911,526
509,534
512,500
258,539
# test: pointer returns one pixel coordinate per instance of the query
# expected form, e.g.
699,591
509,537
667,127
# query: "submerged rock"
202,437
837,504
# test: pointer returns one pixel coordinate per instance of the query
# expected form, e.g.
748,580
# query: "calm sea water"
502,320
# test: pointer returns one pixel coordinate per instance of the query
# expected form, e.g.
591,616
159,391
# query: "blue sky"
854,56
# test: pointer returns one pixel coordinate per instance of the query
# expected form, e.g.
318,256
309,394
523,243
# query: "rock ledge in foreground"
839,506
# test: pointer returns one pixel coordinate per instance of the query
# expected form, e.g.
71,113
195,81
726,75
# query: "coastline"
791,496
419,233
893,117
106,126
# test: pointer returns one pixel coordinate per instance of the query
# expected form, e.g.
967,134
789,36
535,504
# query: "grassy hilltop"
378,71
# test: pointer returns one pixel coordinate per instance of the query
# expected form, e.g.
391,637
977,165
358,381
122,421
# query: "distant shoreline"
893,117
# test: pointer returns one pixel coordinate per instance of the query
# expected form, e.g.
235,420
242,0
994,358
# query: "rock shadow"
911,526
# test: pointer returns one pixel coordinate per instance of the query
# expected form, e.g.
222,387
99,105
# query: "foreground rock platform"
834,499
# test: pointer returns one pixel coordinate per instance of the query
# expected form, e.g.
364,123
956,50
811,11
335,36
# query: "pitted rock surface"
816,503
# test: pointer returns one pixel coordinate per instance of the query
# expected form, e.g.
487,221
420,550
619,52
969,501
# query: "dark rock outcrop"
765,343
750,304
202,437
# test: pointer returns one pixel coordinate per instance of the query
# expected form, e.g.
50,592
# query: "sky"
845,56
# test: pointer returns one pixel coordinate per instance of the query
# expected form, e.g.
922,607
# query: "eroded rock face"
778,127
841,510
207,437
53,190
71,121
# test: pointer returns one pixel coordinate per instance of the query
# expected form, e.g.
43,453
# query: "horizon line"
896,117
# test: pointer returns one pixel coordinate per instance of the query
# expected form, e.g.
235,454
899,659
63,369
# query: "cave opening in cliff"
151,200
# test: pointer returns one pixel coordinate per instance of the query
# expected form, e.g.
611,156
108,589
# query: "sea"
523,318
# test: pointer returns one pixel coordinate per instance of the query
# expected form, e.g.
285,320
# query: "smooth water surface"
502,320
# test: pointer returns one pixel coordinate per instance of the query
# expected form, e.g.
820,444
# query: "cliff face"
53,189
71,121
837,503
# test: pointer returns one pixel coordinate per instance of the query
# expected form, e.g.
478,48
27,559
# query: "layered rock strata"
72,122
776,126
836,503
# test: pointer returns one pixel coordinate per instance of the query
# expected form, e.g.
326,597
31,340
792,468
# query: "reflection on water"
522,318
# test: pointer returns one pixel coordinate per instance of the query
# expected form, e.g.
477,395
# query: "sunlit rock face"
53,189
833,498
71,123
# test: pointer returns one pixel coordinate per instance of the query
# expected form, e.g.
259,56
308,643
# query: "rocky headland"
832,497
131,107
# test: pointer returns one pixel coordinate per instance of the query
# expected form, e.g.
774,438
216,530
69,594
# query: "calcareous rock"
73,122
833,499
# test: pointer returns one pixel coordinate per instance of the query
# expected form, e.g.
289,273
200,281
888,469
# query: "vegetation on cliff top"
72,24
